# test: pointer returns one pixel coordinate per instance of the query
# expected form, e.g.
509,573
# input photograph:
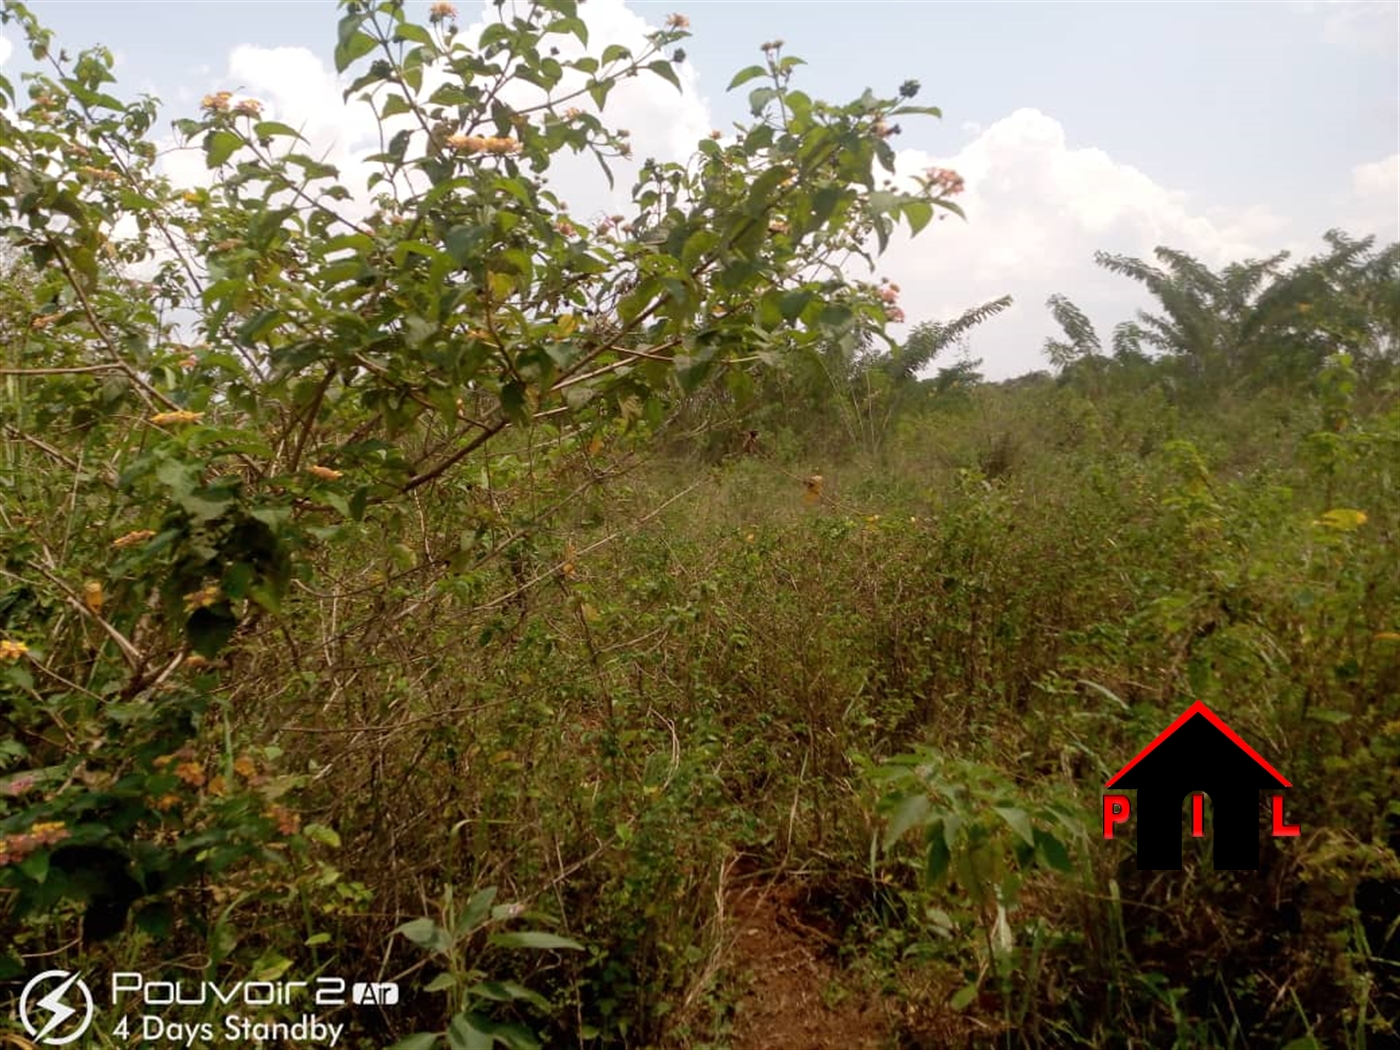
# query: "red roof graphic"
1199,708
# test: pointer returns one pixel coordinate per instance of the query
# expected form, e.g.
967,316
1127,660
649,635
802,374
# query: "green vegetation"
487,602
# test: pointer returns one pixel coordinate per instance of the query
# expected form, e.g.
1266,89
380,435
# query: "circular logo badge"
56,1025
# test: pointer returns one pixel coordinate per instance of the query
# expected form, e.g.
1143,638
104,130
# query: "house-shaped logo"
1197,754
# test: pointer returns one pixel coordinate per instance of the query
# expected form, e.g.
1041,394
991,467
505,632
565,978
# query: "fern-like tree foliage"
1254,321
931,338
1080,340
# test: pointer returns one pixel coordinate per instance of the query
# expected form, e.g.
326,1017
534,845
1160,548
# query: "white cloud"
1038,208
664,123
1375,192
1364,25
297,88
6,50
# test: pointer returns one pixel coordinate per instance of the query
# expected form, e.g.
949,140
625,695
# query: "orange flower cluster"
325,473
18,785
947,181
889,295
202,598
222,102
677,22
442,12
288,823
483,144
98,174
14,848
180,416
132,538
11,651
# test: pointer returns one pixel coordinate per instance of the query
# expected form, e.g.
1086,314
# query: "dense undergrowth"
738,682
491,597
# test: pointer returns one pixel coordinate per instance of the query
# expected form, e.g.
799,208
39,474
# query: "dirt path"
796,996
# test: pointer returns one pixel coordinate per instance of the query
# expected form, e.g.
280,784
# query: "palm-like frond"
1240,281
1346,251
1130,267
1188,273
930,338
1127,340
1077,327
1059,353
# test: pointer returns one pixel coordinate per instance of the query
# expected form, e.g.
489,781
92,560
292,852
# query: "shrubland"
483,597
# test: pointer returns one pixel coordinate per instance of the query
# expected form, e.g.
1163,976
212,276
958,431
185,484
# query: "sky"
1227,130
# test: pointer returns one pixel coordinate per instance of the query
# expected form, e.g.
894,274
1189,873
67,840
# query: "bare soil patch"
796,995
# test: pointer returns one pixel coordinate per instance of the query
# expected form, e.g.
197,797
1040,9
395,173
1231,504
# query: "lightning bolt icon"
53,1002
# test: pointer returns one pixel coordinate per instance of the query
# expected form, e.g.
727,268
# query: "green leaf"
202,508
219,146
963,997
463,1033
441,983
1019,822
570,24
882,201
534,939
426,934
911,811
513,402
598,92
209,630
179,478
927,111
464,242
476,911
507,991
918,214
322,834
745,75
414,34
664,69
417,1041
794,302
1051,853
353,44
268,129
36,865
759,99
939,856
515,1036
156,919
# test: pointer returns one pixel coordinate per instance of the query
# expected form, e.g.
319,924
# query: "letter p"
1115,811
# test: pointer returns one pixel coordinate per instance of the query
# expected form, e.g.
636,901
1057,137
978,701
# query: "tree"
356,349
1255,322
1081,341
872,387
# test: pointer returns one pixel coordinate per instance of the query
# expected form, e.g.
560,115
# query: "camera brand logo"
1197,755
385,993
54,1009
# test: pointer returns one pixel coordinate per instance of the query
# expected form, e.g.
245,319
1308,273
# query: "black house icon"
1198,752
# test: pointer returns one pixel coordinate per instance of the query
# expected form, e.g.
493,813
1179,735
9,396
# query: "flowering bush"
356,346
